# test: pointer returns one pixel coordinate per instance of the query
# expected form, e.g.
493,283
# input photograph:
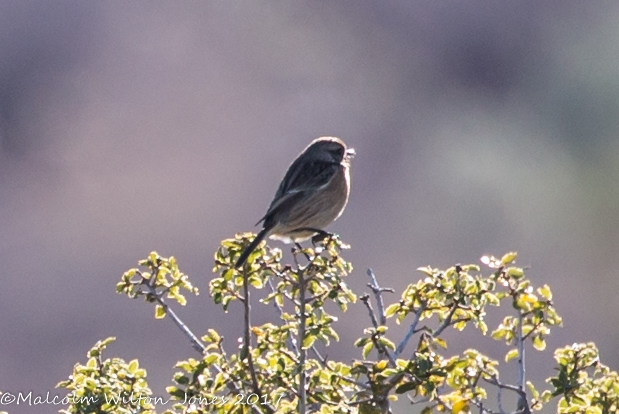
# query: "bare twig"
411,330
321,359
378,295
246,331
302,352
366,301
523,405
500,401
195,342
492,379
384,351
476,400
447,320
534,330
301,283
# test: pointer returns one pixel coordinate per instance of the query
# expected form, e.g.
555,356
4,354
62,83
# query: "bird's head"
329,149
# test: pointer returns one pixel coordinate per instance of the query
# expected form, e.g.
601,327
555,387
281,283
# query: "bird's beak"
350,153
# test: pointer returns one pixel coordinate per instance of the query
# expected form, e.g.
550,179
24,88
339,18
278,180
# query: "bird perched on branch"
311,196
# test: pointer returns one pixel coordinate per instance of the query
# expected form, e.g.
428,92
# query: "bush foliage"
278,367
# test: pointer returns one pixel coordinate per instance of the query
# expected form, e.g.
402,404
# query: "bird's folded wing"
299,182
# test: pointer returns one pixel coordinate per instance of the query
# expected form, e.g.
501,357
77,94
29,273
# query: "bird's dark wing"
301,178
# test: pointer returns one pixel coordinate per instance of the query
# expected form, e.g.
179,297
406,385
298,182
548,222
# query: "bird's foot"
322,236
299,249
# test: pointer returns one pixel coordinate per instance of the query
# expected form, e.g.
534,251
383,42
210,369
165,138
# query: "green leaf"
210,358
440,342
427,270
309,341
460,406
392,309
381,365
492,299
545,292
133,366
243,354
159,312
515,272
102,344
361,342
367,348
534,392
539,343
181,299
508,258
386,343
212,333
176,393
513,353
406,387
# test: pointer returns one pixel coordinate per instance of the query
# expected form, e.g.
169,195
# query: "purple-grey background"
125,127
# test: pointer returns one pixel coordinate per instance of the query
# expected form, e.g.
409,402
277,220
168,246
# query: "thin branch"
301,337
447,321
500,402
321,359
299,249
195,342
290,356
246,331
534,330
492,379
476,400
280,275
302,286
378,295
411,330
523,405
383,351
366,301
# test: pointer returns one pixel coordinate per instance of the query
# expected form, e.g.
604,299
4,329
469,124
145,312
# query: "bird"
312,194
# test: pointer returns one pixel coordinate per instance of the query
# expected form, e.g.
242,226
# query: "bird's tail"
252,246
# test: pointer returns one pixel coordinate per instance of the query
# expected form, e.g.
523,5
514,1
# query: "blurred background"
126,127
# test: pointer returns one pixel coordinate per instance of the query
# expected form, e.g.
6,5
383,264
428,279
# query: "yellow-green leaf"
460,406
309,341
513,353
539,343
92,363
367,348
545,292
392,309
515,272
133,366
534,392
159,312
508,258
